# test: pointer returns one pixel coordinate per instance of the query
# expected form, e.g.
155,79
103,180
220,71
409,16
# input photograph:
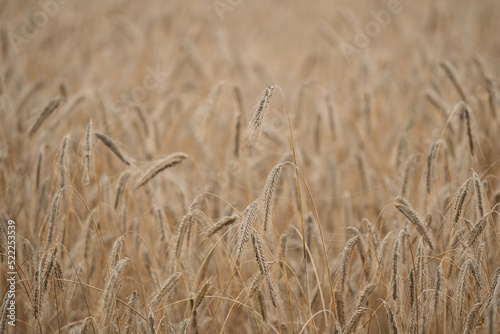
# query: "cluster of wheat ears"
189,211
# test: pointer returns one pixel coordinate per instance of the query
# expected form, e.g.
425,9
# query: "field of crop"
236,166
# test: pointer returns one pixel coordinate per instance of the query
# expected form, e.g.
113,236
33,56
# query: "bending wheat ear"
46,112
159,166
113,148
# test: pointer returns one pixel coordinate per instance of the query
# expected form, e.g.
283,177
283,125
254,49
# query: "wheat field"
250,166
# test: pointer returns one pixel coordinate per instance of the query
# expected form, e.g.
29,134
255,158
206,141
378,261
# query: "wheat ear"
63,160
159,166
344,262
246,225
252,133
452,74
413,218
269,190
132,303
166,288
460,200
391,318
109,143
42,117
223,222
88,158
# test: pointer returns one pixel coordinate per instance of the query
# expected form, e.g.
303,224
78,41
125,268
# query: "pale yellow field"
250,166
